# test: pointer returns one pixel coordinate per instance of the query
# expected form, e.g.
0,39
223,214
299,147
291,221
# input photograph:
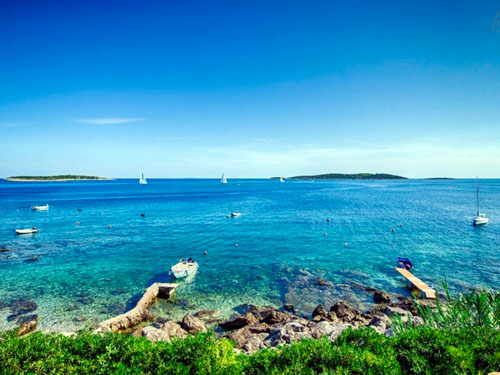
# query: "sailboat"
282,179
142,180
223,179
480,218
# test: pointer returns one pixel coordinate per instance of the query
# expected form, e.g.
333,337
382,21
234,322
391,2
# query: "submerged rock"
20,307
192,324
381,297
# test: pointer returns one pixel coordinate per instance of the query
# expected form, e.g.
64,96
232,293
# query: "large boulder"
337,331
192,324
154,334
239,336
240,321
381,297
255,342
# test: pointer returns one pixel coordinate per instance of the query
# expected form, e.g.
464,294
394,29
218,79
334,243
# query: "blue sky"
251,89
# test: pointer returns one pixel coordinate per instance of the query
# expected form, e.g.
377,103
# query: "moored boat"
185,268
223,179
40,208
27,231
235,214
480,218
143,180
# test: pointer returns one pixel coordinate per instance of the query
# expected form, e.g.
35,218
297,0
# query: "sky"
249,88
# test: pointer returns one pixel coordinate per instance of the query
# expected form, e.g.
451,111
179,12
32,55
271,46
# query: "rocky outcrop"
192,324
319,310
139,313
154,334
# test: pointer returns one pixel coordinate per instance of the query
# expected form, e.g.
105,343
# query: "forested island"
342,176
63,177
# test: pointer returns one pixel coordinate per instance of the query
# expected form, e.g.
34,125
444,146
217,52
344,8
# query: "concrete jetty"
415,283
141,311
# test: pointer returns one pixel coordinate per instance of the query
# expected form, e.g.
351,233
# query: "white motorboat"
27,231
223,179
40,208
235,214
282,179
143,180
185,268
480,218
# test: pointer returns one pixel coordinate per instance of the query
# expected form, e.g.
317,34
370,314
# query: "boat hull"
181,272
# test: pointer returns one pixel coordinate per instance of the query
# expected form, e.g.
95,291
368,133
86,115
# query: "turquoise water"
89,272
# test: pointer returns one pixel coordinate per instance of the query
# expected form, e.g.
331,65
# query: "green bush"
415,351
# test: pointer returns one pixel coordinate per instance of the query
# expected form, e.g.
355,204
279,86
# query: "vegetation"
64,177
461,337
415,351
356,176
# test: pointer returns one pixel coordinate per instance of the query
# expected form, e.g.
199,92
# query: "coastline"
57,180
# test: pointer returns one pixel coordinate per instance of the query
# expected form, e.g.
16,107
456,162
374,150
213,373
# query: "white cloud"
109,120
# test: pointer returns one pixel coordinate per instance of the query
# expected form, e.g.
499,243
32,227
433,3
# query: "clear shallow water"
89,272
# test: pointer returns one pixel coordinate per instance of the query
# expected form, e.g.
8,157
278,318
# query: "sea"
95,253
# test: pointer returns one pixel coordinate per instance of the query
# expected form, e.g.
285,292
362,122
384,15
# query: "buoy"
77,223
236,245
401,225
205,252
345,244
109,226
393,230
324,234
143,215
79,209
327,219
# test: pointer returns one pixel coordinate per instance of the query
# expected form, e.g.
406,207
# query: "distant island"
58,178
439,178
342,176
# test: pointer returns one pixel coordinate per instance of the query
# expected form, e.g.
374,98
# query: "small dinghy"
405,263
235,214
27,231
184,268
40,208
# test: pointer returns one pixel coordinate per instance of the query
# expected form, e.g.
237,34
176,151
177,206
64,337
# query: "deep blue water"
89,272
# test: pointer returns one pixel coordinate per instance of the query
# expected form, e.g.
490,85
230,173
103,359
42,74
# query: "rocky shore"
263,327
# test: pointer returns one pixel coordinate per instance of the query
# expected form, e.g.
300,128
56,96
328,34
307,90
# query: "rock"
323,328
240,321
406,304
206,314
239,336
288,333
254,343
117,291
272,316
192,324
318,318
137,332
319,310
20,307
381,297
289,307
260,328
173,330
337,331
332,317
321,282
380,323
28,324
154,334
344,312
80,318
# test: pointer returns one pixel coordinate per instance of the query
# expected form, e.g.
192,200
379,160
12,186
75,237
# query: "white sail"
143,180
223,179
480,218
282,179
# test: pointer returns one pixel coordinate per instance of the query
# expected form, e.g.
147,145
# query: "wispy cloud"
109,120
